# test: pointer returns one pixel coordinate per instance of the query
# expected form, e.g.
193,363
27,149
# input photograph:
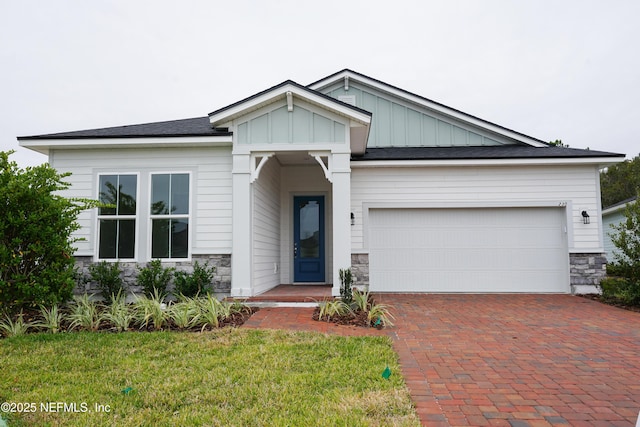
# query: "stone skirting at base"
221,282
586,272
360,269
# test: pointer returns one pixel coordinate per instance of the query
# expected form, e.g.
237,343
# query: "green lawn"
230,377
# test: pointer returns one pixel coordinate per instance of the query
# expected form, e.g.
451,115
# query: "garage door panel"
468,250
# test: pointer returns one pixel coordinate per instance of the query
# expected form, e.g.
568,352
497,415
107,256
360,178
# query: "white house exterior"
297,182
613,215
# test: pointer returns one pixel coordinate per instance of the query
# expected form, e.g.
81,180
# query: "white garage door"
468,250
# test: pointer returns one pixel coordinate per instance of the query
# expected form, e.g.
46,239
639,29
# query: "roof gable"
402,118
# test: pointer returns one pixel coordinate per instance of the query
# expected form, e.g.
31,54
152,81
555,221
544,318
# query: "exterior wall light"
585,217
353,219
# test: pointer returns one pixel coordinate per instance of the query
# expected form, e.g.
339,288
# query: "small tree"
626,265
154,277
36,248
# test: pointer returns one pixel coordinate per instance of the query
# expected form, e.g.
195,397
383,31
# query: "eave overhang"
359,120
45,145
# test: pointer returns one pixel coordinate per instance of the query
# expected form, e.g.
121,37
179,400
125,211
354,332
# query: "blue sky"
565,70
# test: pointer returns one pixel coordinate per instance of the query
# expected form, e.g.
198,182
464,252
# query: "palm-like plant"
51,318
119,314
211,310
85,314
151,311
332,308
12,328
185,313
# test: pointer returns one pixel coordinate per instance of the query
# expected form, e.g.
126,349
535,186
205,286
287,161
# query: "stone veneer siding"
221,281
586,271
360,269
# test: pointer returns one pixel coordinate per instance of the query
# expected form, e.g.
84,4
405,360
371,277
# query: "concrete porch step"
290,294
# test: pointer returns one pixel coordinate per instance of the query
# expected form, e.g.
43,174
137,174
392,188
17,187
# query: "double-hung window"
117,223
170,215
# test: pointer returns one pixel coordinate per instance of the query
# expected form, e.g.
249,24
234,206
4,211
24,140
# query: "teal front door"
308,239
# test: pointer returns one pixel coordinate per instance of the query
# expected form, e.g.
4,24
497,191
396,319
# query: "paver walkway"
506,360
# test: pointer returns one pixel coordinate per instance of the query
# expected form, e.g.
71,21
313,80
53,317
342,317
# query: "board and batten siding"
398,123
517,186
210,170
304,124
266,228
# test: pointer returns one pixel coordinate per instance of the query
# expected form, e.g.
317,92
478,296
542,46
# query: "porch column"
241,269
341,192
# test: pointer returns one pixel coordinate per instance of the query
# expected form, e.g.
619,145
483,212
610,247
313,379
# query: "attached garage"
468,250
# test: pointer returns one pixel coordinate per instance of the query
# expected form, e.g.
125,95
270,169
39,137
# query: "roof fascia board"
133,142
600,161
618,207
426,103
276,93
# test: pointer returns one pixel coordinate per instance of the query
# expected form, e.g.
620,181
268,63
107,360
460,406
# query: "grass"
230,377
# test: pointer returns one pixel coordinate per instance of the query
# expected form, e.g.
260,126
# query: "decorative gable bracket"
258,160
323,159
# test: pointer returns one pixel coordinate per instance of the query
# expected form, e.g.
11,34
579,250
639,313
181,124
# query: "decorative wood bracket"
323,159
256,166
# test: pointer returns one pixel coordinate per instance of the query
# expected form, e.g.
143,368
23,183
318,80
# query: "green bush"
346,281
108,277
620,289
624,286
196,283
155,277
36,248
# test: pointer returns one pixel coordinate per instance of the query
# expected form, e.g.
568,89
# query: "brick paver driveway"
518,360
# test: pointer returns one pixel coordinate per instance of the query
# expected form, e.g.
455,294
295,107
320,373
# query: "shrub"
346,281
108,277
119,314
12,328
619,289
328,309
151,311
626,239
185,313
51,318
154,276
195,283
85,314
36,248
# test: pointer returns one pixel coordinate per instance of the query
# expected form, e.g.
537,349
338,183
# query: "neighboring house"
296,182
613,215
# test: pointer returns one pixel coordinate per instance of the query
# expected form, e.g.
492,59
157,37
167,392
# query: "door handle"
295,250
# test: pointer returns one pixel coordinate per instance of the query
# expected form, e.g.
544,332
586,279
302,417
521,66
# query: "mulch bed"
358,318
611,301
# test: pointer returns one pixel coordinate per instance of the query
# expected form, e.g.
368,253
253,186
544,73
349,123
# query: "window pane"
108,237
160,194
108,193
127,239
180,194
310,230
179,238
160,238
127,196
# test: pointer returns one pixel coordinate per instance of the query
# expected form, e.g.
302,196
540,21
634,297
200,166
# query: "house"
613,215
296,182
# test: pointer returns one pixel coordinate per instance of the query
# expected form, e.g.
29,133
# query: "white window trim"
135,217
188,216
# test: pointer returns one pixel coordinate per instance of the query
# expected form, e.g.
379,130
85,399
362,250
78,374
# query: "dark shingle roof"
198,126
488,152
